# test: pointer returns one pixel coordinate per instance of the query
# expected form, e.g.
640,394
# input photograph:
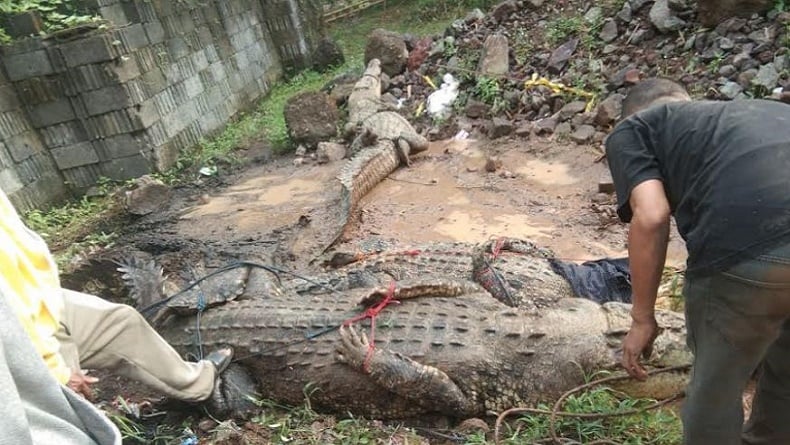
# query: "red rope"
373,312
497,249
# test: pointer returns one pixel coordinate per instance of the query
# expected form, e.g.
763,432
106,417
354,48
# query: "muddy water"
446,195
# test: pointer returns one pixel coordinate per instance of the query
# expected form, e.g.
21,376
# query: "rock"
632,77
725,44
678,5
472,425
609,49
712,12
563,129
390,48
740,60
594,15
571,109
474,16
636,5
730,90
561,55
767,77
728,71
327,54
625,14
535,3
606,184
583,134
661,17
609,110
311,117
298,161
476,109
524,130
609,31
330,152
745,78
546,126
504,10
499,128
419,53
146,196
493,164
301,150
618,79
495,60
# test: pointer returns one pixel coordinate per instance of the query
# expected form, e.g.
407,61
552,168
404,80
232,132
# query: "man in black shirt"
723,170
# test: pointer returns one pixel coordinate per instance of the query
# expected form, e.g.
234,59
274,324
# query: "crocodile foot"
354,348
233,395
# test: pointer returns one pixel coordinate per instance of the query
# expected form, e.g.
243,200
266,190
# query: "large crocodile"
448,347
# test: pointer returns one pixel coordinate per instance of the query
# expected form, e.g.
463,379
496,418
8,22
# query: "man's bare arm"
647,250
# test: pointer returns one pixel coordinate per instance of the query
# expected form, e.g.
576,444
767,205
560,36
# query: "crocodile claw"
353,347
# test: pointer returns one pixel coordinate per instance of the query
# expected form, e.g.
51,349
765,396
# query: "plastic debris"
557,87
440,101
461,135
209,170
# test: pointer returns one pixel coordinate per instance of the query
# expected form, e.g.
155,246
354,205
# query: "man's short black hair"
648,91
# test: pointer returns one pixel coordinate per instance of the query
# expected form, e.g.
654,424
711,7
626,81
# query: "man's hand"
639,341
80,383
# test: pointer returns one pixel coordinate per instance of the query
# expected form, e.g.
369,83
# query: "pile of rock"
599,48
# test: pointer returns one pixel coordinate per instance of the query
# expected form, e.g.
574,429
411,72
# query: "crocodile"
446,348
384,142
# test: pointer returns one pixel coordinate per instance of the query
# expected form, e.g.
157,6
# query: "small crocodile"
385,141
447,347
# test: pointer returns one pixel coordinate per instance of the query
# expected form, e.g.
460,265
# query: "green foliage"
780,5
432,9
55,14
660,427
564,27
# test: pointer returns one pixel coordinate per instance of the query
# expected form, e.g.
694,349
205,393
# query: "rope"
555,411
373,312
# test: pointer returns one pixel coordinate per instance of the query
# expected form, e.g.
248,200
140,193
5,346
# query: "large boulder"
712,12
390,48
495,60
311,117
327,54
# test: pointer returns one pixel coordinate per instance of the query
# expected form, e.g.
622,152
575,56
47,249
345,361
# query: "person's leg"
732,321
769,422
114,336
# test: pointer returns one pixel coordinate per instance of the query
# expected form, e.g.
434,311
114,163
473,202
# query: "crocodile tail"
145,280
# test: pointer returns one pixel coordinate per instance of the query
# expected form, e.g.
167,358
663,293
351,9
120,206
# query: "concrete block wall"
123,102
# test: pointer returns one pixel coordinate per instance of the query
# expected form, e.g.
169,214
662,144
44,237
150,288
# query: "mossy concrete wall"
123,101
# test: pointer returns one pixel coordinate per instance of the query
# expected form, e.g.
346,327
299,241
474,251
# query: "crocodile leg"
403,149
402,375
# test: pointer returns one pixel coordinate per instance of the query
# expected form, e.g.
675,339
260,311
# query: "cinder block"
98,48
24,145
177,48
186,24
24,65
114,14
13,123
127,168
63,134
153,82
155,32
120,146
132,37
37,90
106,99
199,60
9,181
51,113
5,157
193,86
8,98
80,178
75,155
204,36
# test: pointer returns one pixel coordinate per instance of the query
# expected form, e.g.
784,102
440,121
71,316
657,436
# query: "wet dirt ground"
544,190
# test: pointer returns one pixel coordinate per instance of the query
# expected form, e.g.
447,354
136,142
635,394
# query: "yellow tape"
555,87
429,82
420,109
